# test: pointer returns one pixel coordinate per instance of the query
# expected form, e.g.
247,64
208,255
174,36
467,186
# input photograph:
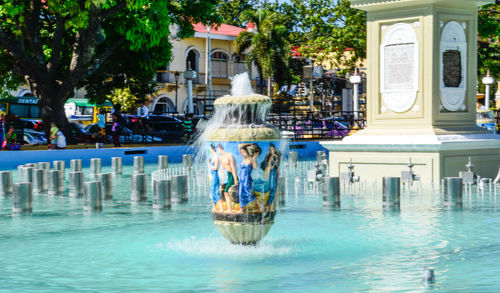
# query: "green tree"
329,27
58,45
488,45
230,11
268,48
125,98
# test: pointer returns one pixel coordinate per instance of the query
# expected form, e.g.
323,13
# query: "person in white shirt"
142,113
60,140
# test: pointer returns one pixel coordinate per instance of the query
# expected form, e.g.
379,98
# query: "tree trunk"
51,100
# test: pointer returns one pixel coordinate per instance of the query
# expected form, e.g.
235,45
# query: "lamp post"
176,76
189,75
208,80
355,79
487,81
308,74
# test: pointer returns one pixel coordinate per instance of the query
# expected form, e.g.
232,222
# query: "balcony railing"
167,76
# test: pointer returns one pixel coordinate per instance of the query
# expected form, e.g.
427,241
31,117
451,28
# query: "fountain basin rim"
244,134
243,100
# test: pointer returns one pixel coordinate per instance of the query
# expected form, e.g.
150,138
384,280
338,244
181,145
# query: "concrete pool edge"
11,159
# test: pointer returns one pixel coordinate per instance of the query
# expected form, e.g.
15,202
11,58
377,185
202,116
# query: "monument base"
434,156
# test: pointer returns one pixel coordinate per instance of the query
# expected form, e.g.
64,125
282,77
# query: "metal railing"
319,125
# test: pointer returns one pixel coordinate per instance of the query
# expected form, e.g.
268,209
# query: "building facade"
172,94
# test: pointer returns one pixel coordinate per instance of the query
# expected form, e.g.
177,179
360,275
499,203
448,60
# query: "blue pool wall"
11,159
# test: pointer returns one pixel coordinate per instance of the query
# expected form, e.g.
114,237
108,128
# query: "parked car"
33,137
80,135
127,135
167,127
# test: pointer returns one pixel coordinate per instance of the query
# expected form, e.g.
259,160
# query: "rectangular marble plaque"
399,66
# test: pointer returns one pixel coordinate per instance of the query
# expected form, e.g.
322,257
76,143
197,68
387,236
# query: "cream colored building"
194,50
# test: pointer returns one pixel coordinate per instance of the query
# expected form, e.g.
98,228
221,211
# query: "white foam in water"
219,247
241,85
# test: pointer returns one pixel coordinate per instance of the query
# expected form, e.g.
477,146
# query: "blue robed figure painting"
244,176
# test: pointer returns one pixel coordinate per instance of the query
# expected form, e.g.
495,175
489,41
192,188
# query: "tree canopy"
322,29
270,49
489,40
57,45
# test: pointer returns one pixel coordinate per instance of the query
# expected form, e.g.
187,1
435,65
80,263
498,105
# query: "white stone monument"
421,94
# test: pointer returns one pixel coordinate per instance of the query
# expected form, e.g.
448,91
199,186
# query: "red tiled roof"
295,52
223,29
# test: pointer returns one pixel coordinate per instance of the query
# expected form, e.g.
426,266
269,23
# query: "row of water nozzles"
38,179
391,191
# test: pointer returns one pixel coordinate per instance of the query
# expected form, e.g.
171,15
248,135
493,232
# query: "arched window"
239,65
219,64
163,105
192,60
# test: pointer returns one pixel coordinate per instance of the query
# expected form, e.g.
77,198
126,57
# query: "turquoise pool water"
361,247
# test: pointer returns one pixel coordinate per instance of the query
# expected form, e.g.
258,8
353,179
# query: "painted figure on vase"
214,178
249,152
229,176
270,165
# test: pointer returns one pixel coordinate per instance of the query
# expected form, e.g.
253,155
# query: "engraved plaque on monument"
452,70
453,67
399,67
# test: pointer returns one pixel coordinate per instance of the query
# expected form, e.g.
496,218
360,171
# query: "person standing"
101,129
116,130
101,119
188,124
2,123
117,109
143,116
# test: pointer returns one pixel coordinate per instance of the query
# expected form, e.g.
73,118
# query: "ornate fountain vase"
244,160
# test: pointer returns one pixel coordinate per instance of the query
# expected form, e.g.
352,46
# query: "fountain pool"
359,247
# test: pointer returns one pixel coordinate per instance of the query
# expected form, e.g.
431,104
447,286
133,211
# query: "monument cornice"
377,5
415,143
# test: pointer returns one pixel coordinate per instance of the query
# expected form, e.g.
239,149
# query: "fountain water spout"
318,174
429,276
468,177
409,176
349,177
